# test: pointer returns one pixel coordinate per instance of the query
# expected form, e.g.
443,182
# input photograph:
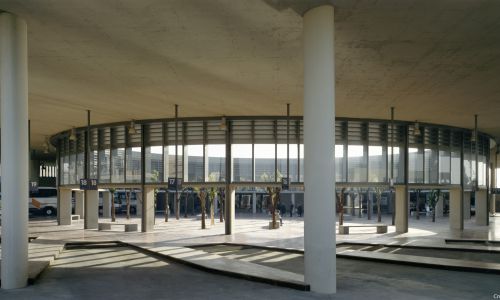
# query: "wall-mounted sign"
174,183
285,183
88,184
33,186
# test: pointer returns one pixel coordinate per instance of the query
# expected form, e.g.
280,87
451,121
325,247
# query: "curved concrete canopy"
437,61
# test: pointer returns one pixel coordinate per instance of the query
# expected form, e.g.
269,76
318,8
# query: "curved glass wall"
267,150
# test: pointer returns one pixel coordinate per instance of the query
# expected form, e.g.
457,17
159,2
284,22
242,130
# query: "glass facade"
260,153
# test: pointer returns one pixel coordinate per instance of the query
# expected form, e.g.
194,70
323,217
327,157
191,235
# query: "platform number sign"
174,183
285,183
33,186
88,184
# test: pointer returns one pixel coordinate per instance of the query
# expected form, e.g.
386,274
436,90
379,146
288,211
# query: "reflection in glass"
415,165
377,163
170,161
357,164
431,165
194,163
80,166
301,162
294,160
281,156
154,164
104,164
242,162
455,167
264,162
340,163
444,167
134,164
118,165
216,163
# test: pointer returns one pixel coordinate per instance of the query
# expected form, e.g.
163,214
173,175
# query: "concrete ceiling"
437,61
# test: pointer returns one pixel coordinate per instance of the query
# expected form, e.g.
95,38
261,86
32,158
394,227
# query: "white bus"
43,201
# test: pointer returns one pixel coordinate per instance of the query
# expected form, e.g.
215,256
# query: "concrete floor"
122,273
126,274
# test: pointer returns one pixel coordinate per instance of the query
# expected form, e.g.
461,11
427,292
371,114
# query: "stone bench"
381,228
129,227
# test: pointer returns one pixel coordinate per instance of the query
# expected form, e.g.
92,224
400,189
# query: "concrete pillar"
319,142
466,203
440,207
15,150
140,202
401,221
456,209
148,210
481,208
79,204
254,203
106,204
64,207
229,209
91,209
493,201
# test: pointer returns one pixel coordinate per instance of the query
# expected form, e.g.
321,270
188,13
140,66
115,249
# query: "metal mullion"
205,160
275,134
253,150
125,154
163,133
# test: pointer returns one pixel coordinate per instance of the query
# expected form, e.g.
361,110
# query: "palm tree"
274,199
113,214
211,199
432,200
340,205
378,194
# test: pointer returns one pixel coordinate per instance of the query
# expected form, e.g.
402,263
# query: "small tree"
211,199
273,201
128,203
222,197
113,214
432,200
378,194
340,205
202,195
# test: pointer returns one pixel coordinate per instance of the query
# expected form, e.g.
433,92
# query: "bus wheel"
49,211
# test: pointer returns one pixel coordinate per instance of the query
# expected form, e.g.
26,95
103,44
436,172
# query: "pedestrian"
291,210
299,210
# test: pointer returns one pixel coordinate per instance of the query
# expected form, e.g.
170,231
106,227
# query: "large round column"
14,122
319,145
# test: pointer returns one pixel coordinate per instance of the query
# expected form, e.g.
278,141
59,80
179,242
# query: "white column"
15,162
319,143
456,209
440,207
91,209
148,210
79,203
106,204
64,207
467,199
254,203
481,208
229,210
401,220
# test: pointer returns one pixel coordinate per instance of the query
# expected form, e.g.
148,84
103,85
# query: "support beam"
319,142
91,209
64,207
401,209
456,209
15,150
229,210
481,208
80,204
106,204
254,203
148,209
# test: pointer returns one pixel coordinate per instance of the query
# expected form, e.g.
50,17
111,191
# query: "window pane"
357,168
468,175
301,162
154,164
444,167
455,166
216,163
94,156
242,162
104,162
264,162
340,160
80,166
398,168
134,164
65,169
294,160
377,156
170,161
481,172
194,163
431,165
415,165
281,156
117,163
72,168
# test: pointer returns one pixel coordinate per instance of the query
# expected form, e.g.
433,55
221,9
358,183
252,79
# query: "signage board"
174,183
285,183
88,184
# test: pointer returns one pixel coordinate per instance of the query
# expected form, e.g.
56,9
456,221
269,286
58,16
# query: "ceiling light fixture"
416,129
72,135
223,124
131,128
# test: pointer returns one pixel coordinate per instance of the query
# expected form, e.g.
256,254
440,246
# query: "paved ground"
86,274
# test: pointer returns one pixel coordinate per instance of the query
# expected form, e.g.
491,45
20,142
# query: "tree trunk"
113,215
221,207
177,206
212,212
128,204
167,208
